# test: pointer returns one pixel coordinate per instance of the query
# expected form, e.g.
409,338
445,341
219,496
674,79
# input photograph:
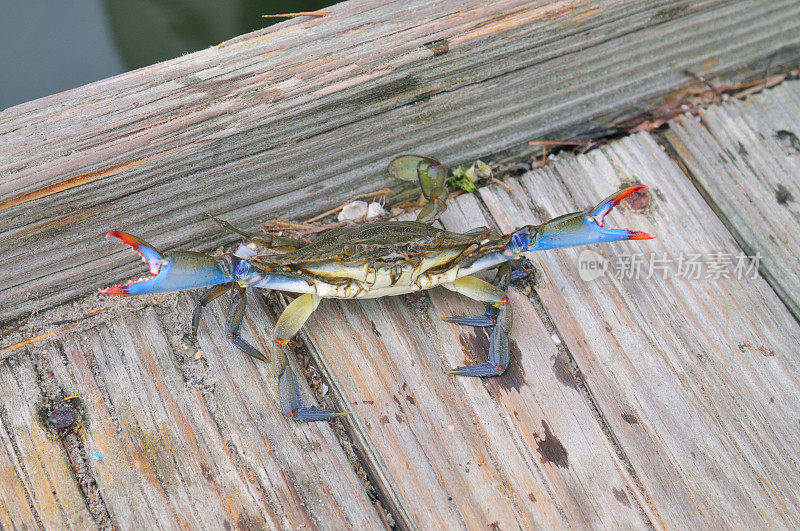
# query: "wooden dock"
660,389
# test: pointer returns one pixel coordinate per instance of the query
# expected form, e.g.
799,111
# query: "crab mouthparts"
149,255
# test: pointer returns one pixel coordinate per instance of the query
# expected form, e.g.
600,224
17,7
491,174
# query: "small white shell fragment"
353,211
324,389
244,252
374,210
556,339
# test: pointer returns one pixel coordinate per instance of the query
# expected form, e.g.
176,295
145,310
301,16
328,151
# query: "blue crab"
371,260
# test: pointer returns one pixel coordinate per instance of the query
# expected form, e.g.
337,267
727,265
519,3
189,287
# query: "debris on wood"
327,213
693,99
468,178
39,337
361,210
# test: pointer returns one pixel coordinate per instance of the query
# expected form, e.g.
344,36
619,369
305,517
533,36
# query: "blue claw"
577,228
171,272
581,228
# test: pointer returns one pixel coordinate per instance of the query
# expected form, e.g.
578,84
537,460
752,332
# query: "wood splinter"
297,14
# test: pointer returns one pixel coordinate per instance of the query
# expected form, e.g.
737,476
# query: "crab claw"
581,228
173,271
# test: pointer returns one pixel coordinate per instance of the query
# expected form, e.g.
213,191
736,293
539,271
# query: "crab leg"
435,207
204,299
432,177
269,241
499,354
289,323
520,269
481,320
234,323
506,273
433,181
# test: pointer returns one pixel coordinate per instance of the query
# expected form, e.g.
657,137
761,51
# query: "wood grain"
522,450
37,486
632,400
745,157
175,441
294,119
697,378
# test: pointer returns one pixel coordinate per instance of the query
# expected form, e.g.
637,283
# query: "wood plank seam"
53,359
108,403
630,157
423,300
228,138
586,392
172,320
52,397
582,387
24,480
389,490
387,508
745,246
750,248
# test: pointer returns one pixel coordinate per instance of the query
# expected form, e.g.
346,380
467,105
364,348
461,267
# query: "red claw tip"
126,238
627,192
639,235
115,290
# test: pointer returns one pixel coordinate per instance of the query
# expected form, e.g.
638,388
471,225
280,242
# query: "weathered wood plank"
315,108
685,411
176,441
37,479
697,378
746,159
522,450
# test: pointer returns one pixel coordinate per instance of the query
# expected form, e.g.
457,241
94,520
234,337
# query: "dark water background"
50,46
